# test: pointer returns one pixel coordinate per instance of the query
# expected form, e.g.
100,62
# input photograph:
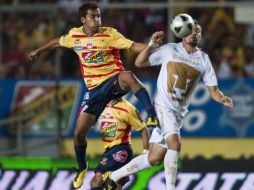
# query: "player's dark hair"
87,6
196,21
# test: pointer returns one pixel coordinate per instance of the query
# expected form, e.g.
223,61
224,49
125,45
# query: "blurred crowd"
229,44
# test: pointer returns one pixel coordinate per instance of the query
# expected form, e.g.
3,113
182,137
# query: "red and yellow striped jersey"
116,122
98,54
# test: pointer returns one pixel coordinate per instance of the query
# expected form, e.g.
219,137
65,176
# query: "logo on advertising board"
45,103
241,116
213,175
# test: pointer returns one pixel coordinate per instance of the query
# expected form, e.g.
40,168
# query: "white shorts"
170,124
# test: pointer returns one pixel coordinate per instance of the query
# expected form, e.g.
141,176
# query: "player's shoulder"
107,30
169,46
75,30
163,48
203,54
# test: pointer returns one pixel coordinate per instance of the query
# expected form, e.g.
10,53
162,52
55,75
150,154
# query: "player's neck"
88,32
189,48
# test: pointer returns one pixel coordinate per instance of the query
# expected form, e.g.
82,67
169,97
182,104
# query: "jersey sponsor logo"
108,129
93,57
77,48
120,156
185,60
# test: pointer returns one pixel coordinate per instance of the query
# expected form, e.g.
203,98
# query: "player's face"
92,20
195,37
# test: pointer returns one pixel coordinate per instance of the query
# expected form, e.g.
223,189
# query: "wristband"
151,44
145,151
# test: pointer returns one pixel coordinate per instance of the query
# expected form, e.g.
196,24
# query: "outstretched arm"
137,47
218,96
52,44
155,42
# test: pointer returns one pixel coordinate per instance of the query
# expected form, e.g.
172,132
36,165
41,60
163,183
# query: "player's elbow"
139,64
55,43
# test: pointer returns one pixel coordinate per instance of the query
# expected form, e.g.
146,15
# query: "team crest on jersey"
120,156
89,44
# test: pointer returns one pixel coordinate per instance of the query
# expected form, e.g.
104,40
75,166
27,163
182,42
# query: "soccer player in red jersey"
104,75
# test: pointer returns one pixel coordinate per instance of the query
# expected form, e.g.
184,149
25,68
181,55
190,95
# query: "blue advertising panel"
206,118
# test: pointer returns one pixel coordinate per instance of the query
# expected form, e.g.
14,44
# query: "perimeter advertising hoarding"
44,101
198,174
205,119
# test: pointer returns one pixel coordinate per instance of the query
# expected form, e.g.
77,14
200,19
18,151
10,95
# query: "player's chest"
194,61
80,44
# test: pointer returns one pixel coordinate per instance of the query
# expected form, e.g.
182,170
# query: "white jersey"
179,75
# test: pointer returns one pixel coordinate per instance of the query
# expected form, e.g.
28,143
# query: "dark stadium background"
39,100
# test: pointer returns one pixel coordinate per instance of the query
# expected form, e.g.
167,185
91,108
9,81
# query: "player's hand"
157,39
34,55
227,101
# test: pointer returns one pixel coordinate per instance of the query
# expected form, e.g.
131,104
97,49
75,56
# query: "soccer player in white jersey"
182,65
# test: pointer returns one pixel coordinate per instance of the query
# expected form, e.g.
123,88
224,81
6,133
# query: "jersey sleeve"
209,76
66,40
135,120
119,41
157,56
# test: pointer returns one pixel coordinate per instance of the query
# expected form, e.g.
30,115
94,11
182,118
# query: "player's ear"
82,20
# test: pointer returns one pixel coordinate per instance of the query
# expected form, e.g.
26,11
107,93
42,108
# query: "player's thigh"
127,80
170,121
156,154
174,142
84,122
114,158
96,99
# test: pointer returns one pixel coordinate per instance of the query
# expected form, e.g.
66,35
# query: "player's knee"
155,160
127,77
176,145
79,134
96,180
